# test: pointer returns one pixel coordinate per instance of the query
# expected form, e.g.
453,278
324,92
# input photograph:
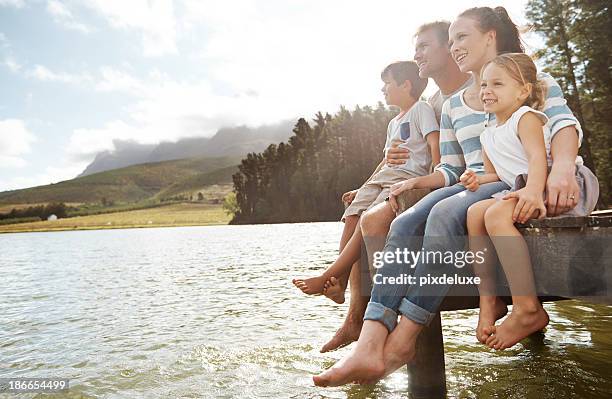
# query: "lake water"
209,312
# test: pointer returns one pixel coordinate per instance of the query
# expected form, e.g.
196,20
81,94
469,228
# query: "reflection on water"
210,312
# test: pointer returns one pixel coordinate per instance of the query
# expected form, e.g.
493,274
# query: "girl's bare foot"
311,286
520,324
491,309
334,290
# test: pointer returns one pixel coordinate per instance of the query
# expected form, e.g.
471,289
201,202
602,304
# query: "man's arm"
433,141
397,155
562,191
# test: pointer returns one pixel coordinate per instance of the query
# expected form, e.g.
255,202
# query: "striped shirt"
461,127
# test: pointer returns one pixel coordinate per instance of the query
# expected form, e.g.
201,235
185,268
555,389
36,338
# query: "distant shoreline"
175,215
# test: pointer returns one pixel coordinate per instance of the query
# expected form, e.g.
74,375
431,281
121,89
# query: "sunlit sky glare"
77,74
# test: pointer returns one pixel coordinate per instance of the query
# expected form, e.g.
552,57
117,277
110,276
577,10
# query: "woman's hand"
469,179
529,202
397,155
349,196
397,189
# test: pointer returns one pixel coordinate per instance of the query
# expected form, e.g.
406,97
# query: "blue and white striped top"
461,127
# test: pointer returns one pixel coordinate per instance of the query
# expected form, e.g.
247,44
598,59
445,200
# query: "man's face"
430,55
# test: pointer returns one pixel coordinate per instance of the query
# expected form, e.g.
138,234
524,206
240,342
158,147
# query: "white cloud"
154,19
113,80
15,141
63,16
12,3
11,64
43,73
52,174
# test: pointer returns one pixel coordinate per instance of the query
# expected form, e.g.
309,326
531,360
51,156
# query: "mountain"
227,142
134,183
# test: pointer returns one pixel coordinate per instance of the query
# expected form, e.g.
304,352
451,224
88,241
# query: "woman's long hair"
508,39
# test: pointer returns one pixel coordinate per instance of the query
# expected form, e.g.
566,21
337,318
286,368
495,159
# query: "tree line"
578,53
302,180
37,211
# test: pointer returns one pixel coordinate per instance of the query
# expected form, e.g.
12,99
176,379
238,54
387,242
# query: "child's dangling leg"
492,308
528,316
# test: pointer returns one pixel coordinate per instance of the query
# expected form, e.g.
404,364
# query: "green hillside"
132,184
195,182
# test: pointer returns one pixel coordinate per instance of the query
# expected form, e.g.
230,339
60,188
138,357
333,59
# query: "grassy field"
185,214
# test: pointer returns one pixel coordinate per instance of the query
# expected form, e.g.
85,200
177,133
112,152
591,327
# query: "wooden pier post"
426,375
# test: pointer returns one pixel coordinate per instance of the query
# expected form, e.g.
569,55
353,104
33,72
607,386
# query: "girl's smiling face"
499,92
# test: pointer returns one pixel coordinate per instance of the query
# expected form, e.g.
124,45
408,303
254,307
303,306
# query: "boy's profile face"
430,55
392,91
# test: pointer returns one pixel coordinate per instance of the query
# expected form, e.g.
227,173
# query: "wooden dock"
582,270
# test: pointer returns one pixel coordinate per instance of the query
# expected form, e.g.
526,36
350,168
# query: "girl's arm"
472,181
490,174
530,198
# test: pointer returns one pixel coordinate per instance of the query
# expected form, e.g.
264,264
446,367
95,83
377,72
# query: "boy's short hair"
439,27
402,71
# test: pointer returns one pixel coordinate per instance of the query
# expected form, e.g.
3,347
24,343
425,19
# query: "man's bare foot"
334,290
310,286
520,324
347,333
364,362
491,310
400,345
399,350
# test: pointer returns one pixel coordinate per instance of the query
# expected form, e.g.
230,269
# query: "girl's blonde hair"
521,68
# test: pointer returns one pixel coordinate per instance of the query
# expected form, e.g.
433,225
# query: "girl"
513,145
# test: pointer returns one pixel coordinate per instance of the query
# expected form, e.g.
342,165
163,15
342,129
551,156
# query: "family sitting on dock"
505,151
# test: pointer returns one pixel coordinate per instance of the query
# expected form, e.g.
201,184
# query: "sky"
75,75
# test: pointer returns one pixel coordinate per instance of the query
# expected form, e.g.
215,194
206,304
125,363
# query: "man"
434,61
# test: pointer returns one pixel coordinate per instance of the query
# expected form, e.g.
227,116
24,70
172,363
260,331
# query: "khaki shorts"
376,190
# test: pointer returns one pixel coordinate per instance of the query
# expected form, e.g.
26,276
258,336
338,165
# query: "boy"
416,125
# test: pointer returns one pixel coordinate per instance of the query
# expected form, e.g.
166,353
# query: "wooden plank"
571,257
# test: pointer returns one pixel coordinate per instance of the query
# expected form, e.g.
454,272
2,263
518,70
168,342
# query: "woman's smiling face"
470,48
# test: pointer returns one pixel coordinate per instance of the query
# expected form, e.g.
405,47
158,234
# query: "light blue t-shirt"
413,127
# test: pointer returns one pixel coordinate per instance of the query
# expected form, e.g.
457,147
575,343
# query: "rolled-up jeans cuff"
377,312
415,313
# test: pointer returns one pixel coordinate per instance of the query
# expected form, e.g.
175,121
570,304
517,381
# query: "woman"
476,37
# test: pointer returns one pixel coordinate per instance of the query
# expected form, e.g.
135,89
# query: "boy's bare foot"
347,333
334,290
491,310
364,362
520,324
310,286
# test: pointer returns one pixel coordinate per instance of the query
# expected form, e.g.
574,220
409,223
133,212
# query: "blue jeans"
438,222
